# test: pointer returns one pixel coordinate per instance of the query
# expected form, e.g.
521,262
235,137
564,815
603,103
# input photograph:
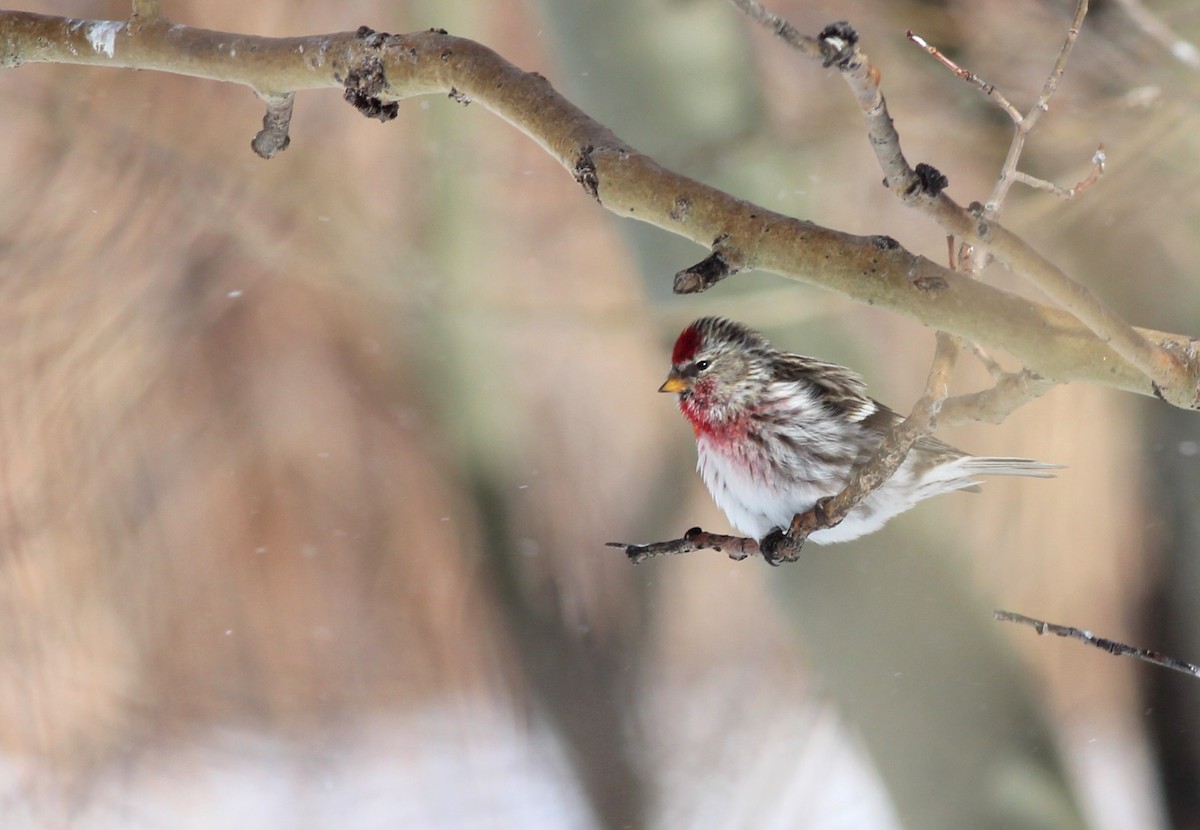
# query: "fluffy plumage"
776,432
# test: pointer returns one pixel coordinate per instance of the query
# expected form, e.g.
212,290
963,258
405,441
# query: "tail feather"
1009,467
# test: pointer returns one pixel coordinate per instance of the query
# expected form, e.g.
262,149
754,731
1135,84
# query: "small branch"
721,263
1098,161
1111,646
788,33
737,547
1025,125
974,80
1012,391
273,137
1060,66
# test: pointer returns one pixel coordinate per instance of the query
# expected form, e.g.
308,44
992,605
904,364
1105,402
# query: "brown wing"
839,387
843,390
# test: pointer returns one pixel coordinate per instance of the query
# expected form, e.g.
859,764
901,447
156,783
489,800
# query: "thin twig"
1111,646
988,89
738,547
785,30
1024,127
1098,161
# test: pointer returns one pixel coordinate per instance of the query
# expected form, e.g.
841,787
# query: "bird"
778,432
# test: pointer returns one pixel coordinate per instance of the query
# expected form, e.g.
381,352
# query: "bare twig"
274,137
974,80
1068,193
1111,646
738,547
785,30
874,269
1025,125
1184,51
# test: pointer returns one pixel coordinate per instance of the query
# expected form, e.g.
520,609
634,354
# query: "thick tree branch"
875,270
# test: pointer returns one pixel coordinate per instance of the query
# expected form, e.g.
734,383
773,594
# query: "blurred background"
308,465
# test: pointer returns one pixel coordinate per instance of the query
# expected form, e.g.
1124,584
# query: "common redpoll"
776,432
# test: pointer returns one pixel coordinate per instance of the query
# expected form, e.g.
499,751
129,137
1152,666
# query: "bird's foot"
778,547
781,545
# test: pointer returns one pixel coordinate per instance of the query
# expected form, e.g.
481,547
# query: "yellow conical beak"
675,383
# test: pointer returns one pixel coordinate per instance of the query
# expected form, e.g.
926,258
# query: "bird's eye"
701,365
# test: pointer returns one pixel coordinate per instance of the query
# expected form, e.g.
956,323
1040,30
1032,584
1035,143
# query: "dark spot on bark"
884,243
838,42
932,283
372,38
363,86
585,173
680,209
930,181
460,97
439,31
1157,390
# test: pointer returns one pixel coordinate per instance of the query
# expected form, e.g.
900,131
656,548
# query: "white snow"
102,36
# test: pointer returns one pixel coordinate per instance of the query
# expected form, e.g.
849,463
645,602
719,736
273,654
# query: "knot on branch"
838,45
371,38
931,285
585,172
885,243
364,84
723,262
929,180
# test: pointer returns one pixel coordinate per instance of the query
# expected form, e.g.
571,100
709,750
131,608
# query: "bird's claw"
778,547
